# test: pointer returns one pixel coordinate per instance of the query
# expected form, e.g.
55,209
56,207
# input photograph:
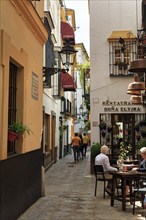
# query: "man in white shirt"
103,159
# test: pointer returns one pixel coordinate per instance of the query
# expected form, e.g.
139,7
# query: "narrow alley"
69,195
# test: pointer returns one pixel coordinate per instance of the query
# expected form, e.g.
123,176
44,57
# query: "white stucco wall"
105,17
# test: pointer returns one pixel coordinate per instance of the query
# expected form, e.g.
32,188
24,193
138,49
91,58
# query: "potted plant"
142,143
125,150
103,133
87,126
95,150
109,128
143,132
138,137
142,122
16,129
102,125
137,126
108,138
62,129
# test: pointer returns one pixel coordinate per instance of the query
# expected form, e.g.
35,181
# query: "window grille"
12,102
120,58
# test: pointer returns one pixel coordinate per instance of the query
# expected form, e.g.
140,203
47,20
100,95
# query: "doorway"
123,131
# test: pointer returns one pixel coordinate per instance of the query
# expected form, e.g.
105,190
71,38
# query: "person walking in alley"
76,146
81,146
85,144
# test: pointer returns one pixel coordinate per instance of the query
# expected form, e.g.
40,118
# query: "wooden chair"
139,192
100,176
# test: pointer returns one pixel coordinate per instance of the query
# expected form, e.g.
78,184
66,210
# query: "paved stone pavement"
69,195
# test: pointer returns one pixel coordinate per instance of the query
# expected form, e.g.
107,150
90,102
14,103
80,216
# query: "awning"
67,32
128,35
67,82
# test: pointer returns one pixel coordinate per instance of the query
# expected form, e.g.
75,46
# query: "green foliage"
87,126
86,104
125,150
83,67
137,126
62,129
142,143
95,149
102,125
19,128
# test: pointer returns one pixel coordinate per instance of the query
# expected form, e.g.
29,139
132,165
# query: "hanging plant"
109,128
83,68
142,122
87,126
138,137
62,129
137,127
108,140
102,125
103,133
143,132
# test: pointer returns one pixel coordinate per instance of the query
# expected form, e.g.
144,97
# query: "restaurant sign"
120,106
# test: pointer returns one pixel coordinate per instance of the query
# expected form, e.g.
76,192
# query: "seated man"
103,159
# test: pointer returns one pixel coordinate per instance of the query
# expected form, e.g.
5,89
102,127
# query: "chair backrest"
99,171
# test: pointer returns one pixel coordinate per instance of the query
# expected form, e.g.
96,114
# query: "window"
55,79
121,56
63,105
12,102
68,106
47,133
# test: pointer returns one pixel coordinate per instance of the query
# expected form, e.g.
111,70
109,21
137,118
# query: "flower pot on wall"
137,127
109,129
143,134
108,139
138,137
103,133
102,126
142,123
12,136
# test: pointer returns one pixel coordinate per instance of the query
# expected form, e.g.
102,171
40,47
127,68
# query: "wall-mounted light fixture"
67,56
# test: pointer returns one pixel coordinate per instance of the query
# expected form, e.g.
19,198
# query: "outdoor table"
130,176
135,162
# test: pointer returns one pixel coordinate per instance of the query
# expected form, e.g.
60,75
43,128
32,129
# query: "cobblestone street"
69,195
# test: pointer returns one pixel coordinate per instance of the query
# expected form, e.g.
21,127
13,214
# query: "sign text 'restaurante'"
117,103
115,106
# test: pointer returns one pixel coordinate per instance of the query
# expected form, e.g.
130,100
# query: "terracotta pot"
12,136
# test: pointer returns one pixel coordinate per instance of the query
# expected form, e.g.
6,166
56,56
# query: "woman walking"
76,146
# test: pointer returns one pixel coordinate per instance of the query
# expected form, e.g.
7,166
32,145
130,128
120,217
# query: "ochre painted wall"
21,42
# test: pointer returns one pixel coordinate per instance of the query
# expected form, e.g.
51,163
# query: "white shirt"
102,159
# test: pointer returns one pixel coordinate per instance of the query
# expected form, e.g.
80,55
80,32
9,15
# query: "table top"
131,173
131,161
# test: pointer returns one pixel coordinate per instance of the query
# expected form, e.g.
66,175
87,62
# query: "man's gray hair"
104,149
143,150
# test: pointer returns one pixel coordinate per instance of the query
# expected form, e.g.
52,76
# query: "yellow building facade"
22,36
